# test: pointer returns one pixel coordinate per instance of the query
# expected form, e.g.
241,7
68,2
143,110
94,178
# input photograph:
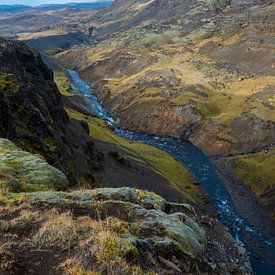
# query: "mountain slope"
203,73
32,115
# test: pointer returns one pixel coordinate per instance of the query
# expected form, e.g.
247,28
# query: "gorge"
260,244
137,137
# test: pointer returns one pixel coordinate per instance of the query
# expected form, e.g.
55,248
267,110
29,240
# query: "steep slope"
32,115
198,70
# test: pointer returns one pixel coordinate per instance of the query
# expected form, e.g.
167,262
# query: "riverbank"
223,254
205,172
244,199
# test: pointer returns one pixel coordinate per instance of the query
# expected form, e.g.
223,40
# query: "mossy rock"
22,171
144,212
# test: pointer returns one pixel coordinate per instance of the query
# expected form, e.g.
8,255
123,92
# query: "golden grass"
90,244
63,83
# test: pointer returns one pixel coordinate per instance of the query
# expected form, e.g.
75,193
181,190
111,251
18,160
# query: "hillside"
198,70
75,141
52,147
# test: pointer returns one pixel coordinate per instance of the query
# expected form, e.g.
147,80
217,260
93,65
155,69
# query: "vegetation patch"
6,83
63,83
21,171
257,172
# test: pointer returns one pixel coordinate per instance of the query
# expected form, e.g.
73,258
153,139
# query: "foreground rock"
120,230
32,114
22,171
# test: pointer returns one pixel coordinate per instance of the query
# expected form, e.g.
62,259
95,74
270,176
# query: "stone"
27,171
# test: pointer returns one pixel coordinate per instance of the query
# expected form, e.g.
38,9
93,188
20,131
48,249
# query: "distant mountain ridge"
48,7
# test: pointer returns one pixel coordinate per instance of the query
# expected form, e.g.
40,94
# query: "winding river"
260,247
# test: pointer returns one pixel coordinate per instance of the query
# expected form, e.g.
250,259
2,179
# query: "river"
260,246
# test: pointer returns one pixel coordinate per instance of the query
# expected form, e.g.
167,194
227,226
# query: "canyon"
164,73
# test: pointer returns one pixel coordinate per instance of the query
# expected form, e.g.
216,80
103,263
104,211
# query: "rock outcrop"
22,171
32,114
120,230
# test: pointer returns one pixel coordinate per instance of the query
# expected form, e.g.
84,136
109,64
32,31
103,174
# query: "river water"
260,246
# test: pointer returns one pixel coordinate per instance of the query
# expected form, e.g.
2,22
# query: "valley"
173,97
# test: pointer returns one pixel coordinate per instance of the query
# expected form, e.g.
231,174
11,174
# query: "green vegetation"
5,83
162,163
216,4
151,40
62,83
21,171
257,172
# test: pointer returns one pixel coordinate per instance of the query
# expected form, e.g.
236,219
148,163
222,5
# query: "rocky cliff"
32,114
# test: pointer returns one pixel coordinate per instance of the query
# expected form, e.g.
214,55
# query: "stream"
260,246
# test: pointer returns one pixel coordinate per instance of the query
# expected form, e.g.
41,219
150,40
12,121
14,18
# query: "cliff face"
32,114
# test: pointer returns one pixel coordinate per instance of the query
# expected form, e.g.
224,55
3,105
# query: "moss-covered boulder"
152,225
23,171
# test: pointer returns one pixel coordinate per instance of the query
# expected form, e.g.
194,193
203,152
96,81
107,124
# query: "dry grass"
95,242
89,244
57,230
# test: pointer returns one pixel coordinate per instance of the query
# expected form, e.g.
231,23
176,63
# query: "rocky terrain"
77,143
110,229
189,69
200,70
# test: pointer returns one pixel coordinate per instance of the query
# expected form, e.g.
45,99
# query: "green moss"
116,249
7,84
13,163
23,171
50,141
11,185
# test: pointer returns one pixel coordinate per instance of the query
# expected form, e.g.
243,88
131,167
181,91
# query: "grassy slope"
257,172
160,162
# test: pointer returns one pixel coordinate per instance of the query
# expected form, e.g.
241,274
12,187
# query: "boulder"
22,171
151,228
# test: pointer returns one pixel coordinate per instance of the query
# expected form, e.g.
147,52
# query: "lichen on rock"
147,220
23,171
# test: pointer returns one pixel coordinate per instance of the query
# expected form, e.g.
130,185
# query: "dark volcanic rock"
32,113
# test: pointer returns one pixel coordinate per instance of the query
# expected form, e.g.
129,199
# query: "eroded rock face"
32,113
21,170
251,132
